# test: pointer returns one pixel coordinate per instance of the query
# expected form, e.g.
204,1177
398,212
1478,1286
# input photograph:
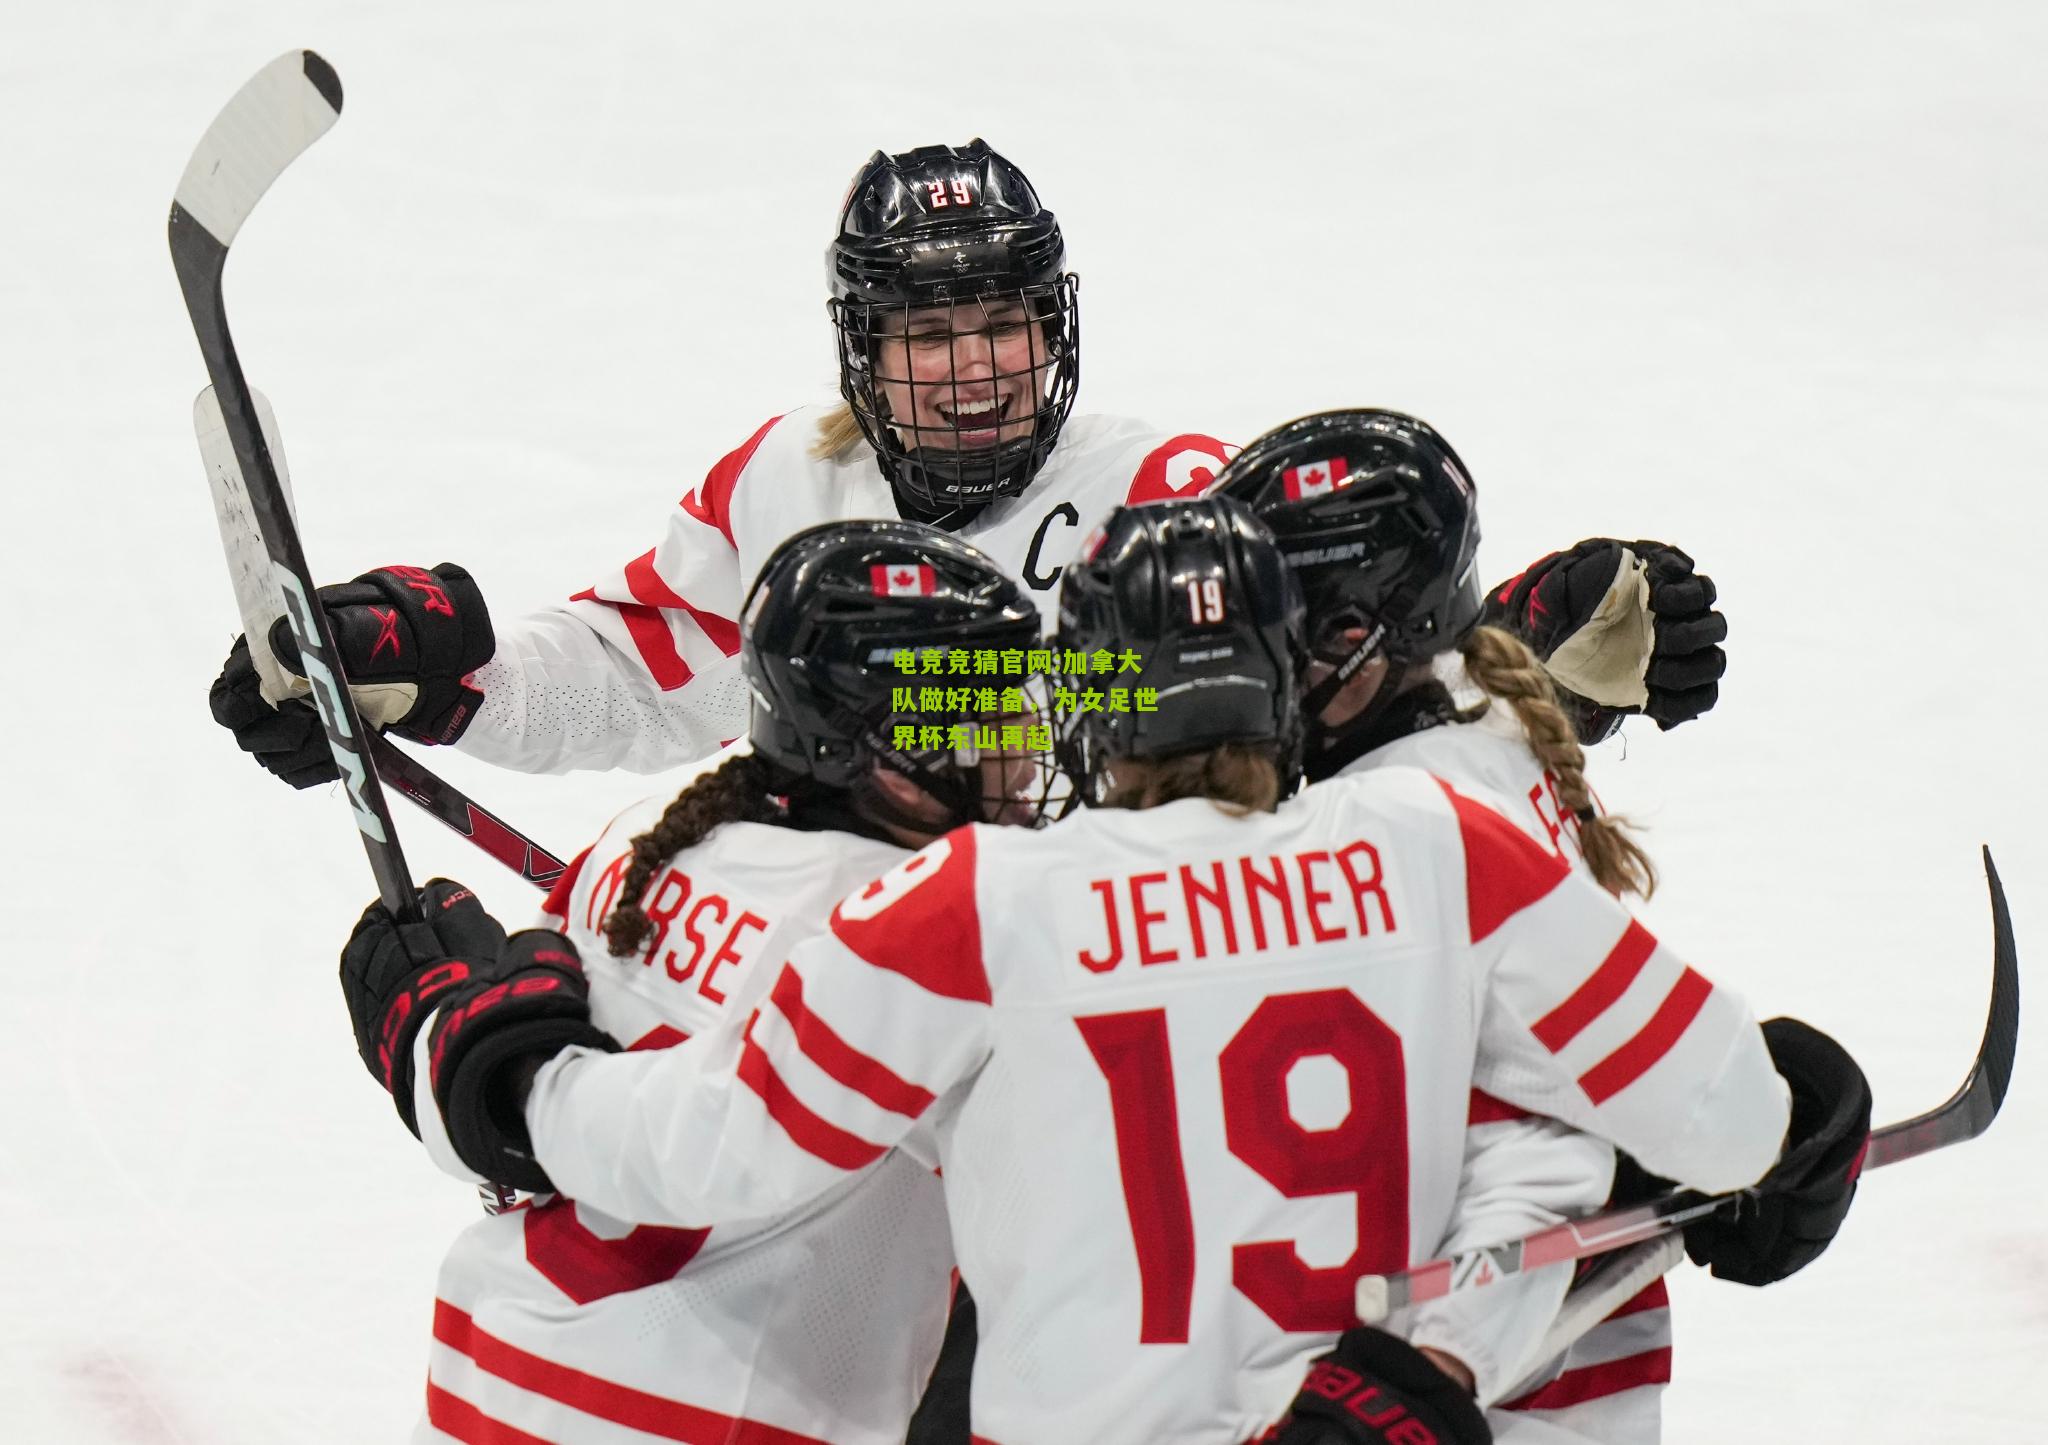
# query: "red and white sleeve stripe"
673,607
864,1028
1592,1021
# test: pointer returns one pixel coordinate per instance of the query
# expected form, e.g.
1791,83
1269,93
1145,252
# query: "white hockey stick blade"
284,108
1609,1284
241,539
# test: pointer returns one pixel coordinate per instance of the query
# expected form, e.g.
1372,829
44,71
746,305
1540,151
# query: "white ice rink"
1767,279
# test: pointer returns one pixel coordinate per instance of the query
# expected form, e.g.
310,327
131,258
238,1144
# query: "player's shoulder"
1489,751
1402,791
1135,461
784,448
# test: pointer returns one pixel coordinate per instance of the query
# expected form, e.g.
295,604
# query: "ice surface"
1770,280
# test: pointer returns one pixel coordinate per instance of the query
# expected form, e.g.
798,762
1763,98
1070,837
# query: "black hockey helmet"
824,628
1378,518
1197,588
956,240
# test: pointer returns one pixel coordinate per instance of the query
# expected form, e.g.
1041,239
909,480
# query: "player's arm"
864,1028
1622,627
638,671
1588,1019
1520,1174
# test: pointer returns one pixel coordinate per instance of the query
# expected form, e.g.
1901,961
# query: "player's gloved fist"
288,740
408,639
1622,627
491,1035
1800,1204
393,974
1376,1389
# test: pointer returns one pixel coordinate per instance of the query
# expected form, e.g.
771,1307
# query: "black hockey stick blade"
268,124
449,805
1967,1113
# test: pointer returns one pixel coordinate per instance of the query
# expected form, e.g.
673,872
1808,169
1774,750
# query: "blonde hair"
838,433
1501,666
1238,777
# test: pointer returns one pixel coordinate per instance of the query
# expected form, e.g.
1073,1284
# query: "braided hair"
1502,666
742,789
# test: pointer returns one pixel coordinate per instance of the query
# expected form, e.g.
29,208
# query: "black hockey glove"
1376,1389
1800,1204
1622,627
287,740
489,1037
408,639
393,974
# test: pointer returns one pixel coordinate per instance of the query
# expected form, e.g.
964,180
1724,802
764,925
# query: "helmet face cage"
1026,342
955,319
1196,588
827,636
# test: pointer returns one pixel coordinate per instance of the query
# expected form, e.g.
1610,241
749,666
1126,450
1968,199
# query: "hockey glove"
287,740
407,639
1377,1389
407,664
393,974
491,1034
1799,1205
1622,627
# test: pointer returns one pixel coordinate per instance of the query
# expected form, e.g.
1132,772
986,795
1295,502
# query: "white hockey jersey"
565,1324
641,671
1191,1075
1607,1387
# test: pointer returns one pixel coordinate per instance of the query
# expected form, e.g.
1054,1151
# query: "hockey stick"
269,123
248,560
1966,1114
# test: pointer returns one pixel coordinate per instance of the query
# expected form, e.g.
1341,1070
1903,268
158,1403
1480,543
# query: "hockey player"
958,339
565,1324
1194,1061
1385,558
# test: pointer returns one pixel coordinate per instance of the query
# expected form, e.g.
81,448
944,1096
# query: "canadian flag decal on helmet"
905,579
1314,479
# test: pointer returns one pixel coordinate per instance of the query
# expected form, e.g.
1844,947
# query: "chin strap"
1320,696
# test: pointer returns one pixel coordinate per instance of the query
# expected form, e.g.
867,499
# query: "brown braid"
1501,666
739,790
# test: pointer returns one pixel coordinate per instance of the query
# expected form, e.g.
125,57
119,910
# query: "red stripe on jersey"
661,1036
1597,994
1182,466
647,586
1655,1297
1651,1043
557,904
851,1067
711,503
453,1415
806,1130
655,1415
919,920
1485,1109
1505,871
1593,1382
656,645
